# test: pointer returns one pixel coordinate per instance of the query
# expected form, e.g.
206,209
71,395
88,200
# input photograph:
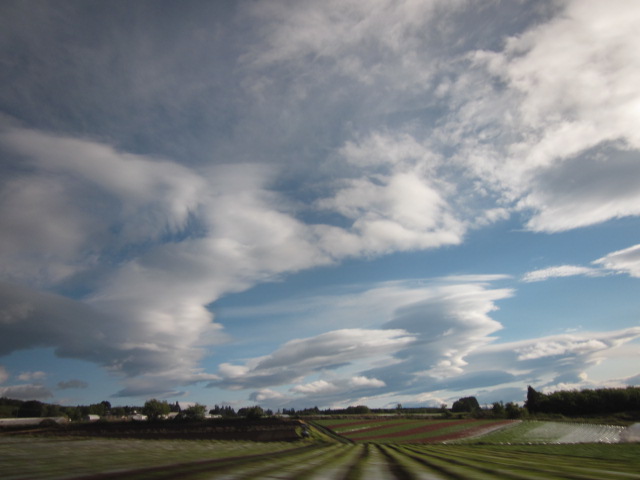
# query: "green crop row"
36,458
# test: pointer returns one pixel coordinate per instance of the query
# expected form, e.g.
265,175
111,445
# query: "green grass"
512,433
46,457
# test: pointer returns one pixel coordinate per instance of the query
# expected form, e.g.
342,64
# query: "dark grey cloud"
147,77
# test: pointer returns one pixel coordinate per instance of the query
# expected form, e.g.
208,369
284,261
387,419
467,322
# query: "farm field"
47,458
367,449
554,432
473,431
402,430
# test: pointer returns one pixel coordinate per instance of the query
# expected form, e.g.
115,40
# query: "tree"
465,404
225,411
358,410
154,409
103,408
194,412
251,412
31,408
53,411
534,400
498,409
513,410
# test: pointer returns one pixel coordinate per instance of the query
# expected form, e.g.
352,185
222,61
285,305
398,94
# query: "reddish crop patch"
337,426
412,430
423,429
375,428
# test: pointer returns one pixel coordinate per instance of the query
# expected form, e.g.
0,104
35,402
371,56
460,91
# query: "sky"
303,203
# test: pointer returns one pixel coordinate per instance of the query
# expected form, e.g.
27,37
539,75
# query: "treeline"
602,401
360,410
605,401
11,408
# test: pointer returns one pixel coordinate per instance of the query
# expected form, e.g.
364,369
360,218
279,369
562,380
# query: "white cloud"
26,392
127,200
622,261
396,201
398,124
185,238
558,271
338,386
452,321
585,87
319,386
362,381
584,190
379,41
267,395
69,384
626,261
301,357
4,375
564,347
429,328
453,349
31,376
554,359
570,103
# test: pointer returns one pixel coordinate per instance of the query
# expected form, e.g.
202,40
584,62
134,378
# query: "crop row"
410,430
316,460
556,433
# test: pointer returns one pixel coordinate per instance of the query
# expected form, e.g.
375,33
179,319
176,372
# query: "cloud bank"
159,174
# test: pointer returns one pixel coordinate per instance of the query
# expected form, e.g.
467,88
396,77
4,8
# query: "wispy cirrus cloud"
559,271
622,261
550,360
626,261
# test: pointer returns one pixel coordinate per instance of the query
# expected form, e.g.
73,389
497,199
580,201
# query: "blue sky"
318,203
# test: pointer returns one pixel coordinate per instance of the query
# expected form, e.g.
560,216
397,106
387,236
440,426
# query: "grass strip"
407,467
502,467
203,468
46,457
355,471
530,465
449,470
296,466
332,435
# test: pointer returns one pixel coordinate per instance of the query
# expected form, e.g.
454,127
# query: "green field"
319,457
